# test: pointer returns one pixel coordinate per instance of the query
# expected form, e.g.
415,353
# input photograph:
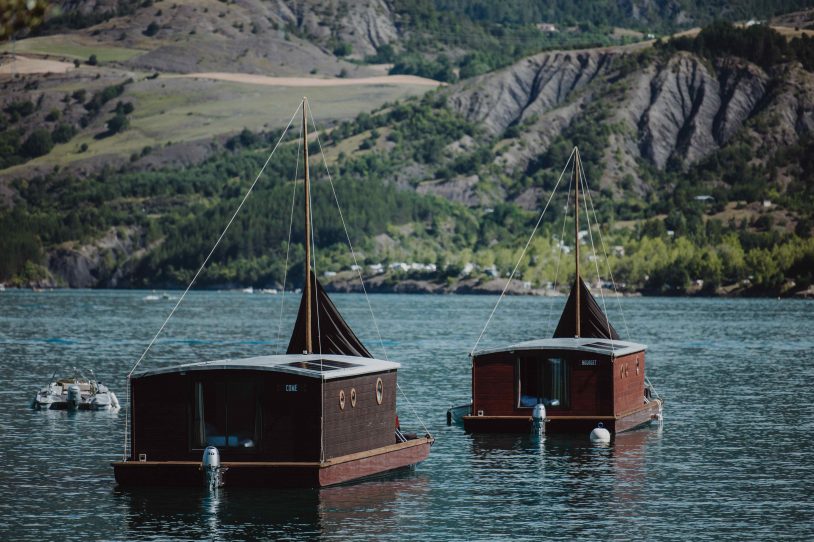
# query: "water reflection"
574,457
241,513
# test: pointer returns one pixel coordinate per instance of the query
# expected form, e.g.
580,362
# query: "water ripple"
732,461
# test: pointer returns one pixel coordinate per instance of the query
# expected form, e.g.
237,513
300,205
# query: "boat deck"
278,473
565,424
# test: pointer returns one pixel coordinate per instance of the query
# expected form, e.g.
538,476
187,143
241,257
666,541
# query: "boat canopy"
593,322
610,348
333,335
326,367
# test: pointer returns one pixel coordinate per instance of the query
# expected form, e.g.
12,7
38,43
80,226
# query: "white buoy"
600,434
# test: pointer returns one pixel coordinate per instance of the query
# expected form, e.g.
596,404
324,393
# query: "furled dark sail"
593,322
331,334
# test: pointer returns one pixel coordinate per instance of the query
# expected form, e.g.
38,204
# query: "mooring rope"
200,269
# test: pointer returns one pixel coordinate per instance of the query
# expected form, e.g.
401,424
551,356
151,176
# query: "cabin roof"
326,367
582,344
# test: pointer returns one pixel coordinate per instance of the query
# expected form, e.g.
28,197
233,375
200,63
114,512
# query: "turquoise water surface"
733,459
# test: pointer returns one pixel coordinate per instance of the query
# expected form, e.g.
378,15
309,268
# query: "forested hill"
442,39
698,151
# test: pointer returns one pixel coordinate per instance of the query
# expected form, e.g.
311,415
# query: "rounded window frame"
341,399
379,391
353,397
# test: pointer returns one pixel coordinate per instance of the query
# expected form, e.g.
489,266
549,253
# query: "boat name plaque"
291,387
587,362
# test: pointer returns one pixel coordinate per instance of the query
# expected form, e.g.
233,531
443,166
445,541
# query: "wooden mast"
308,340
577,282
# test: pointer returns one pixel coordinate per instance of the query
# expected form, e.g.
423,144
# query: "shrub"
63,133
38,143
343,49
152,29
118,123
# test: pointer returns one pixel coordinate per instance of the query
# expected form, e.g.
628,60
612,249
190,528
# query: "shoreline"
412,287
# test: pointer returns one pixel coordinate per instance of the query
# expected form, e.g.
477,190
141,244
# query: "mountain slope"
701,157
664,111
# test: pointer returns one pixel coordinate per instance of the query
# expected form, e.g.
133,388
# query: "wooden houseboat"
321,414
583,376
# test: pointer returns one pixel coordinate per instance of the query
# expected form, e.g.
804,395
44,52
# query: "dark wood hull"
277,473
564,424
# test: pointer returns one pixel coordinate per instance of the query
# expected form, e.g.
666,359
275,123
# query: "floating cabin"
583,376
321,414
581,381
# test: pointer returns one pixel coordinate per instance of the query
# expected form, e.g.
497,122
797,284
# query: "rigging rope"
288,245
359,269
523,253
610,272
584,183
559,254
427,431
312,241
350,245
200,269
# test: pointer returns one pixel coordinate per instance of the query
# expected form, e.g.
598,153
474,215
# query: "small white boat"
75,393
249,290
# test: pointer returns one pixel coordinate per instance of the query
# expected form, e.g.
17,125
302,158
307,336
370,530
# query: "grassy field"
174,110
71,47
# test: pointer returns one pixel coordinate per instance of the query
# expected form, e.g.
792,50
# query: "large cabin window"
227,415
542,380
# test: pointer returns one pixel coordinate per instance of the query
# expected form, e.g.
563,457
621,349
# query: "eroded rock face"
364,24
460,189
666,111
367,26
106,262
683,110
529,88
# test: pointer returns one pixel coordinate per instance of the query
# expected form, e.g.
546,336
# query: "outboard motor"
213,472
74,397
538,418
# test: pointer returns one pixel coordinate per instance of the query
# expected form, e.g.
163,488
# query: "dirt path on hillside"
10,64
314,81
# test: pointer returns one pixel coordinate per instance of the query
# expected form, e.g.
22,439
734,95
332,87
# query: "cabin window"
542,381
227,415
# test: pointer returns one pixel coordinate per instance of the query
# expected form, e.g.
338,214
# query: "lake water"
732,460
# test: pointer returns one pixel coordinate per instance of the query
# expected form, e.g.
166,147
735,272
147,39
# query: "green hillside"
697,149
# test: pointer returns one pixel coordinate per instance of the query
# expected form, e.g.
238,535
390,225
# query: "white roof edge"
620,348
280,364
